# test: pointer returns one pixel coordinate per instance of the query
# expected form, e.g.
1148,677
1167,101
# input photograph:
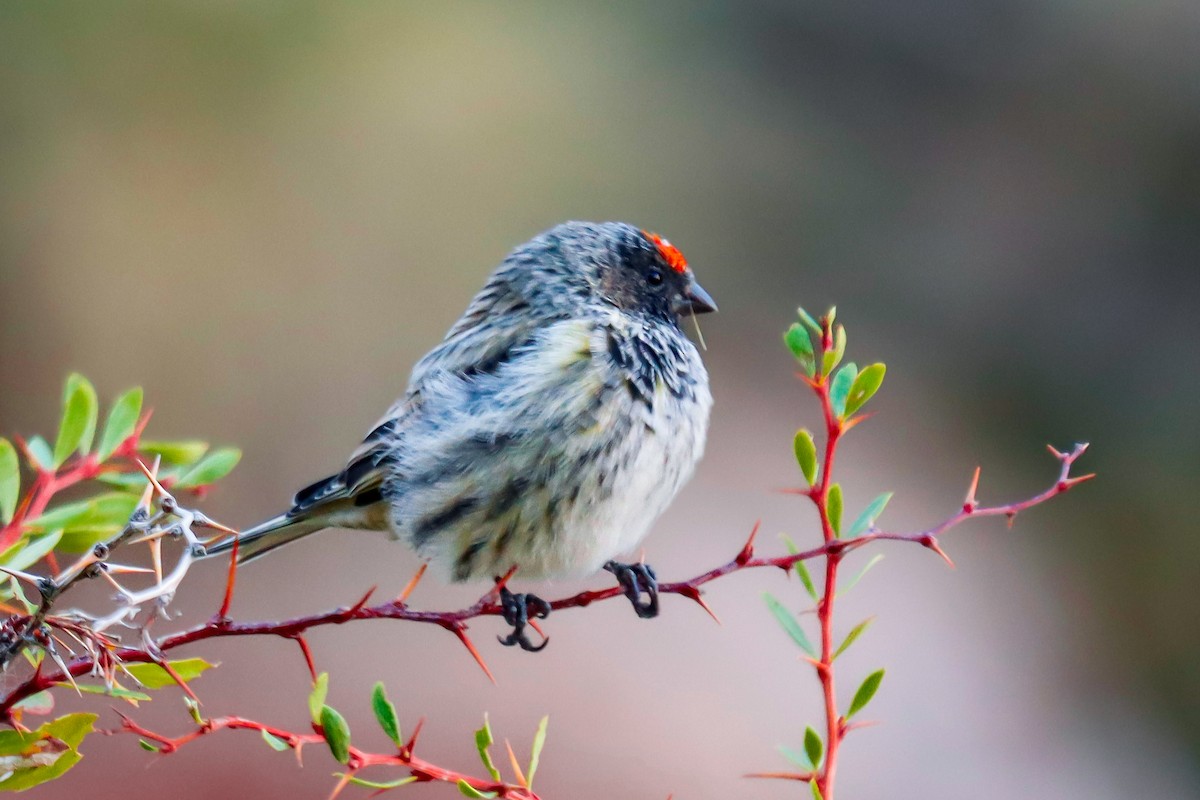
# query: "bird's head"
613,264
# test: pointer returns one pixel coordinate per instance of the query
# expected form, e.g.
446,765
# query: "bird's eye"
655,278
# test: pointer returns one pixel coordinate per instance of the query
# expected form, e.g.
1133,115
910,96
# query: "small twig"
359,759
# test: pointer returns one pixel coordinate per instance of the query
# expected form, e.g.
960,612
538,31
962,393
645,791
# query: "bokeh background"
266,212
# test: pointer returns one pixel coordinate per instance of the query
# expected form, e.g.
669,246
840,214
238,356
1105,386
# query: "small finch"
549,429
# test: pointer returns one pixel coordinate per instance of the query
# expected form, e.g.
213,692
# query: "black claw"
517,609
636,579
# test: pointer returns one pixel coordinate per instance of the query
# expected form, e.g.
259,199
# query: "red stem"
825,672
359,759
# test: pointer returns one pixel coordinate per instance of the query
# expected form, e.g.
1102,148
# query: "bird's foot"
636,579
518,608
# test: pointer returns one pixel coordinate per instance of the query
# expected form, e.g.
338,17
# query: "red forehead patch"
669,252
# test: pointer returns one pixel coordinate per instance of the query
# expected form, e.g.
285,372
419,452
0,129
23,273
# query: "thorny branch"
419,770
221,626
44,630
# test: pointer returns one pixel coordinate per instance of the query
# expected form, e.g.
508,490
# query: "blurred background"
265,213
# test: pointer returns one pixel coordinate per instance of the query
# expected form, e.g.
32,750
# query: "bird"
554,423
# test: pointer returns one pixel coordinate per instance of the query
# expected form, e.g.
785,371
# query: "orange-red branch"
359,759
488,606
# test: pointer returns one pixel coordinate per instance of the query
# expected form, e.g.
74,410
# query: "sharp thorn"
783,776
932,544
25,576
460,631
500,584
970,498
205,522
411,744
152,477
341,784
516,768
693,594
850,423
308,656
1069,482
412,584
747,551
121,569
354,609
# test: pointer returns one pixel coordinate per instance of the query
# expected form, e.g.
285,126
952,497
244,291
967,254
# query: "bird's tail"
350,499
266,536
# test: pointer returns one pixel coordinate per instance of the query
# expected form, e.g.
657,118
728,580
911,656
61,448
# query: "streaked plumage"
549,429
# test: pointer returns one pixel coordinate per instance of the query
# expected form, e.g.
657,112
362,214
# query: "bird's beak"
695,300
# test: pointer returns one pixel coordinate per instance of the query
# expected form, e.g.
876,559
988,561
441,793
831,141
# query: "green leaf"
788,622
78,424
865,386
806,454
484,740
122,420
799,342
813,747
131,482
134,482
834,357
85,537
86,522
871,513
797,759
76,383
809,322
470,791
816,791
854,633
274,741
39,450
112,508
142,743
382,786
212,468
30,552
875,559
185,452
153,676
116,691
535,752
44,748
70,729
13,742
12,591
802,571
10,481
385,713
839,388
337,734
833,506
316,699
40,703
865,692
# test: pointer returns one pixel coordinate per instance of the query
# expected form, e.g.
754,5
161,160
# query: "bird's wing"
495,325
498,320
